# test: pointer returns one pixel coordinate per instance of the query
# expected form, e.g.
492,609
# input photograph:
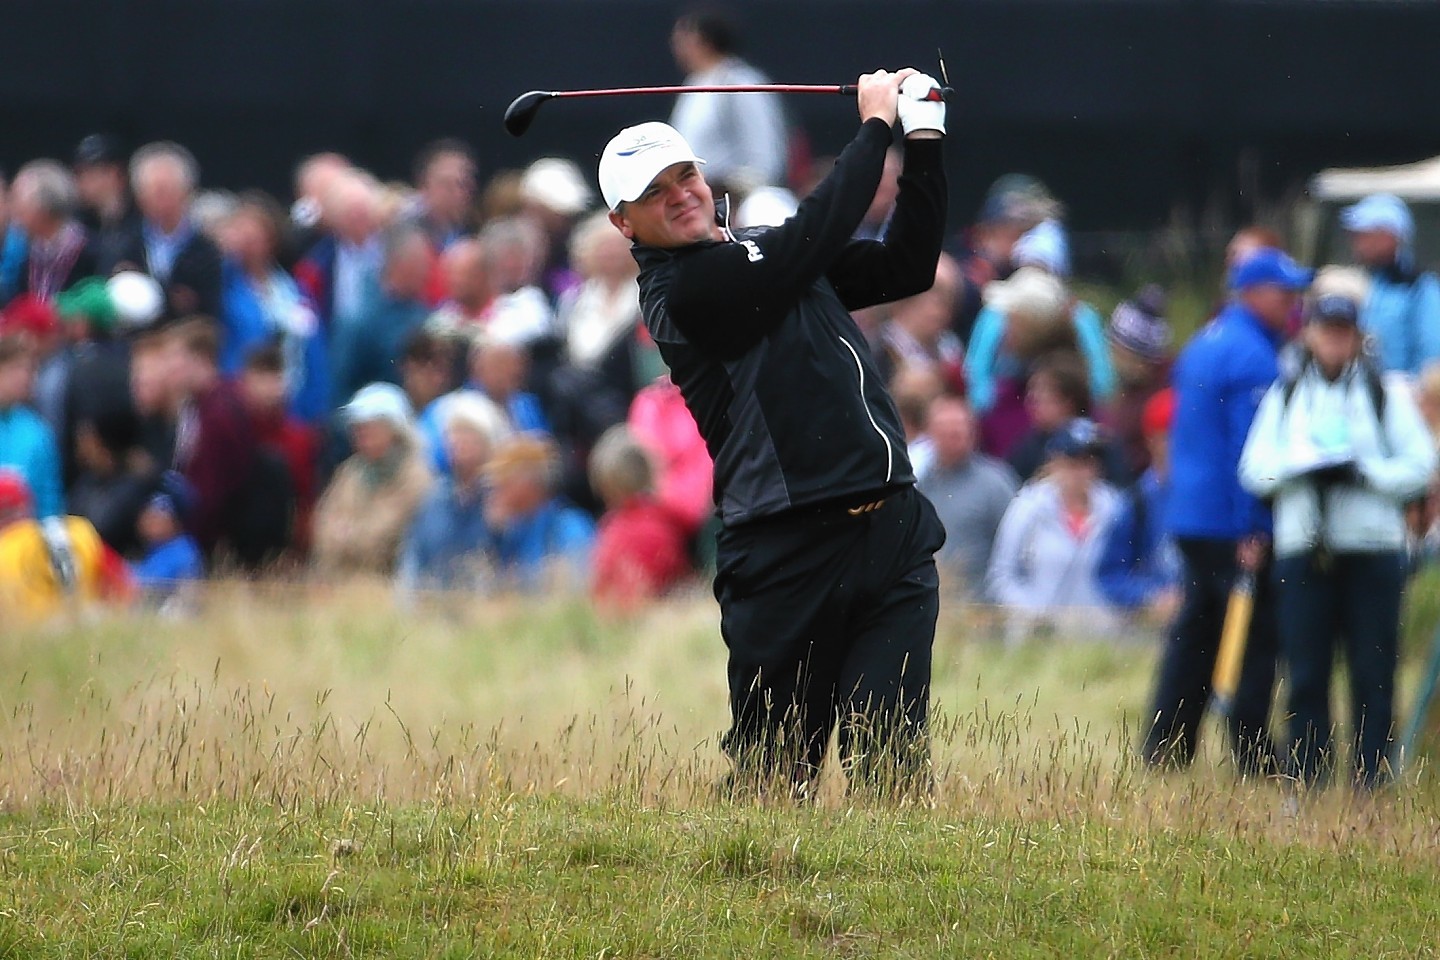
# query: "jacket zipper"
889,451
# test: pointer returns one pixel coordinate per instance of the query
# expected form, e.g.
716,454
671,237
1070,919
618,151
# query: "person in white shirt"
1339,448
741,136
1042,567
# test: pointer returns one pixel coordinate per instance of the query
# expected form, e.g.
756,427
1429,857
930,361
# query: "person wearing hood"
1402,312
1042,567
1024,317
1341,450
364,513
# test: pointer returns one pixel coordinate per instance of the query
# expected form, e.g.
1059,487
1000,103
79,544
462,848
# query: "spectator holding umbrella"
1341,450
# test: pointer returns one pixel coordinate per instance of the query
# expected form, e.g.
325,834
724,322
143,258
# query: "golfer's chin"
693,226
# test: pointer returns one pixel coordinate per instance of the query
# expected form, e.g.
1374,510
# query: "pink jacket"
661,421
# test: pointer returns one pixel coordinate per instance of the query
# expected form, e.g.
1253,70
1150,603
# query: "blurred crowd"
446,382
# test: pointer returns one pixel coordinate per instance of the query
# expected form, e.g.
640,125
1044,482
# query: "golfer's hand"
878,94
1250,554
921,107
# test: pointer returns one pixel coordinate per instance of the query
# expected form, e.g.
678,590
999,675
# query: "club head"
522,110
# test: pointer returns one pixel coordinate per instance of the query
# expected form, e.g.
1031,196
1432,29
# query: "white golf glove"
921,105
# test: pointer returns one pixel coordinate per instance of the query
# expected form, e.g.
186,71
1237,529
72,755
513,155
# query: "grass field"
322,775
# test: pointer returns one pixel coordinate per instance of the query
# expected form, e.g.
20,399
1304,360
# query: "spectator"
314,177
32,318
971,492
364,513
471,293
13,247
1042,567
104,190
154,398
1026,317
43,201
1056,394
538,541
684,471
600,317
743,139
914,389
172,560
51,566
367,347
640,547
282,435
263,304
446,545
167,244
27,444
112,484
1140,568
877,216
514,254
555,193
215,448
1221,529
1341,450
445,179
1014,204
918,332
341,269
1402,312
498,368
1139,346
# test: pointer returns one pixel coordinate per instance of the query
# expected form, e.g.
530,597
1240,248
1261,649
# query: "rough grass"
318,776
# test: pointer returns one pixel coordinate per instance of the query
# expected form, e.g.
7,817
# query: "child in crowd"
172,558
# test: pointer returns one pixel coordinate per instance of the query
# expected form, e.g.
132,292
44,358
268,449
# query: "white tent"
1410,181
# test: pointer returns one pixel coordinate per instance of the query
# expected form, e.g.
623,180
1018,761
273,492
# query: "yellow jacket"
37,559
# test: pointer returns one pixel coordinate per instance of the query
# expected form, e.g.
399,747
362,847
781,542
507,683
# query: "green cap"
89,300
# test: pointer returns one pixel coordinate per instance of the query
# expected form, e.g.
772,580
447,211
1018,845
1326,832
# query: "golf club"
521,112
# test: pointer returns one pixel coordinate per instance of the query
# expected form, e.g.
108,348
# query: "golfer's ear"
621,224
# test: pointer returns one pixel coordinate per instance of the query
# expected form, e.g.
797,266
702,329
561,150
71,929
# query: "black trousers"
830,619
1188,662
1350,603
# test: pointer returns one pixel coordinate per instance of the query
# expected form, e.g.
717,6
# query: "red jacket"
639,553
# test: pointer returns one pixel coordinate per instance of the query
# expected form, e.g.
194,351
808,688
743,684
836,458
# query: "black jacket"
758,335
194,284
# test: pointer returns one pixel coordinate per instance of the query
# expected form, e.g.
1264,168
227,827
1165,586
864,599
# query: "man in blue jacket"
1220,529
1402,311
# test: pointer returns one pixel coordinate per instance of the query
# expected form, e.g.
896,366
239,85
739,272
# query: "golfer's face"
675,210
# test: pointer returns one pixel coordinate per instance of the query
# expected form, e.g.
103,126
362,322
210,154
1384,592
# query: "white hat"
1380,211
471,408
138,299
637,155
379,401
1030,291
1044,246
556,184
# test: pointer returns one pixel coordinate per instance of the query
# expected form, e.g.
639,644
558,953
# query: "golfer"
825,563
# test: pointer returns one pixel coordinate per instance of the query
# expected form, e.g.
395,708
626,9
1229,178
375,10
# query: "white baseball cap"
637,155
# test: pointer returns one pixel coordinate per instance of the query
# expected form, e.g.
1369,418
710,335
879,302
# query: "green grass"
330,777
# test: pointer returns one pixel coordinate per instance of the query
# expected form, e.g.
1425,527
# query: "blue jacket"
14,251
448,531
248,324
1402,313
1139,560
986,360
27,445
174,561
556,534
1219,380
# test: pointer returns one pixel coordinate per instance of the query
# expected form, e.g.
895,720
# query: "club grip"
850,89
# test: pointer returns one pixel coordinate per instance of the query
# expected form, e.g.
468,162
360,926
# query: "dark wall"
1126,107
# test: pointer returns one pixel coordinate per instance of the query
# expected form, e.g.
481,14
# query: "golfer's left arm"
868,272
